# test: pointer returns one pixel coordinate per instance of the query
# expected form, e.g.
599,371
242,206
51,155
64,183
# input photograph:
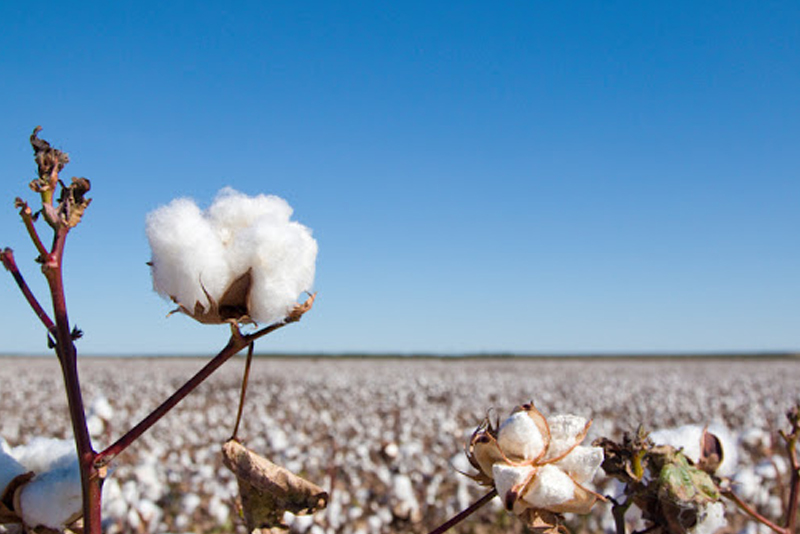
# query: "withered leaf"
268,490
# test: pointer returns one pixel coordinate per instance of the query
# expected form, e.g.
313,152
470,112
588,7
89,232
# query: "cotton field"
385,438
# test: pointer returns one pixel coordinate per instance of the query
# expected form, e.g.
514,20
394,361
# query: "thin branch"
618,511
7,258
749,510
245,378
236,343
27,218
794,485
465,513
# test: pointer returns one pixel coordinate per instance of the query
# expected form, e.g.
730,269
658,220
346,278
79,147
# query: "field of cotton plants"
385,437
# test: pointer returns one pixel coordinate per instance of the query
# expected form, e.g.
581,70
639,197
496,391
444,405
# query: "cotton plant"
537,465
242,261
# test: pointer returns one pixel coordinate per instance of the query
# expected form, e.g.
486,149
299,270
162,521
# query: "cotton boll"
195,252
52,498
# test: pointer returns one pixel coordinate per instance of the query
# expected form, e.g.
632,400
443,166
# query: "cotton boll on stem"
244,243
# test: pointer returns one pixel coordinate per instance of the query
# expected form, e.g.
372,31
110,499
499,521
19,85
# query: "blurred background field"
384,436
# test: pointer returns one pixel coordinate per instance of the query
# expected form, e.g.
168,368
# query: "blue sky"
523,176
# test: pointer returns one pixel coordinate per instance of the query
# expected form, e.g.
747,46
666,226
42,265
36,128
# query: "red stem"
7,258
27,218
749,510
465,513
235,344
91,479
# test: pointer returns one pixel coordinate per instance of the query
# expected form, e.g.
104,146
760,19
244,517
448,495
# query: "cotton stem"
465,513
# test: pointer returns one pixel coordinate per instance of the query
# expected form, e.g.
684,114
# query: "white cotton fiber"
52,497
44,454
550,488
564,433
712,518
195,250
54,494
506,477
582,463
519,436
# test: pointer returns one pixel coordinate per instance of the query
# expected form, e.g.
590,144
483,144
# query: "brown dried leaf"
268,490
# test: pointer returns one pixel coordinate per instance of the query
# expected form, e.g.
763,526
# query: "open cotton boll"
53,498
253,261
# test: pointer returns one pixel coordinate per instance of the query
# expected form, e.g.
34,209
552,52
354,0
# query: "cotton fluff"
194,252
519,436
712,518
53,496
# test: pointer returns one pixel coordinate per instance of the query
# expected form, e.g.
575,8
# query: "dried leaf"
268,490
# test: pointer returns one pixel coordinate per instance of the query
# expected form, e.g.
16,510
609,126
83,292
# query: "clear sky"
522,176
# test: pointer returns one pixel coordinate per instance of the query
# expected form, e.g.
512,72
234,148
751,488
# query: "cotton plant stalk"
254,265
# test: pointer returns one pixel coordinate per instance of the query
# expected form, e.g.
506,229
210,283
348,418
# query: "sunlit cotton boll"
196,251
